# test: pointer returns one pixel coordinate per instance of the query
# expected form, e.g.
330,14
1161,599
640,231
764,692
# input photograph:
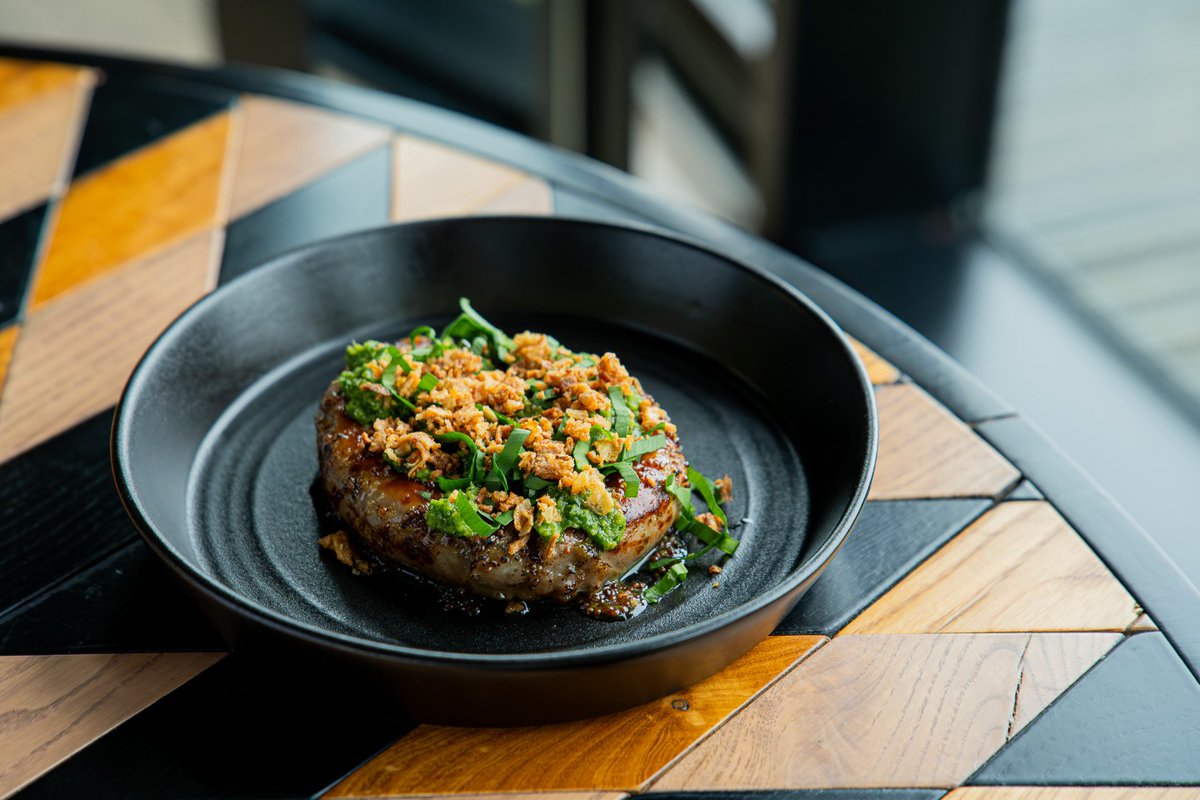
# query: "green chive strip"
623,419
643,446
450,484
469,514
505,517
632,482
427,382
708,492
681,493
675,576
508,457
580,454
723,541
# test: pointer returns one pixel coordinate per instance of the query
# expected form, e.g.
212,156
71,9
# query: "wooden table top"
983,631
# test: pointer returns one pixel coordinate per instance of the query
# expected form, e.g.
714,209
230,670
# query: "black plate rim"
122,475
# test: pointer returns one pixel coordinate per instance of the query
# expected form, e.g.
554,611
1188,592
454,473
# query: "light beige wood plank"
8,340
1143,624
53,706
24,80
878,370
285,145
138,205
1052,662
618,751
105,325
432,180
925,452
867,711
38,136
1075,793
1019,567
531,197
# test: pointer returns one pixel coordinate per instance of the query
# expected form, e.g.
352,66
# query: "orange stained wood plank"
432,180
140,204
1052,662
867,711
114,318
878,370
285,145
618,751
38,136
530,796
53,706
1075,793
925,452
1019,567
25,80
8,340
531,196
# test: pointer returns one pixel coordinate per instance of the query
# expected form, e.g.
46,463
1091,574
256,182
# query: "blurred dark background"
1019,180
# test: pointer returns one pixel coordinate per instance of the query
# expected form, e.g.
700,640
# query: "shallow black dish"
214,454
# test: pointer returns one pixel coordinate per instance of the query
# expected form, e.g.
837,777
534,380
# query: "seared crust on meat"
387,510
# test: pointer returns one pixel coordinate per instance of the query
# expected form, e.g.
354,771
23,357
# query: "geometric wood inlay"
37,140
1074,793
1019,567
1052,662
879,371
8,339
926,452
25,80
53,706
1143,624
867,711
433,180
76,352
617,751
531,196
135,206
285,145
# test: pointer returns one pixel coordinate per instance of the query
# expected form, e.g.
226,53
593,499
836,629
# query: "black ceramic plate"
214,452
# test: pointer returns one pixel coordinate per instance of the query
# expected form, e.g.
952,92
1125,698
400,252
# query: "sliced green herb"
427,382
681,493
470,515
580,454
535,484
597,433
504,517
632,482
450,484
676,575
723,541
643,446
507,460
708,492
623,418
470,325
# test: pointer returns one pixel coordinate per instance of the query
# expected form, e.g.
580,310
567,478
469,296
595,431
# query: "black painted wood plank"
126,603
1133,719
890,539
19,239
233,732
61,512
1138,562
130,110
806,794
353,197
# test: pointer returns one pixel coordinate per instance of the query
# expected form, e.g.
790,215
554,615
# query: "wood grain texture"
38,136
1143,624
111,321
531,197
879,371
8,340
53,706
24,80
286,145
138,205
1052,662
867,711
1019,567
618,751
1075,793
528,796
432,180
925,452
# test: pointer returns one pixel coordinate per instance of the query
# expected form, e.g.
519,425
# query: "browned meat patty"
387,511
